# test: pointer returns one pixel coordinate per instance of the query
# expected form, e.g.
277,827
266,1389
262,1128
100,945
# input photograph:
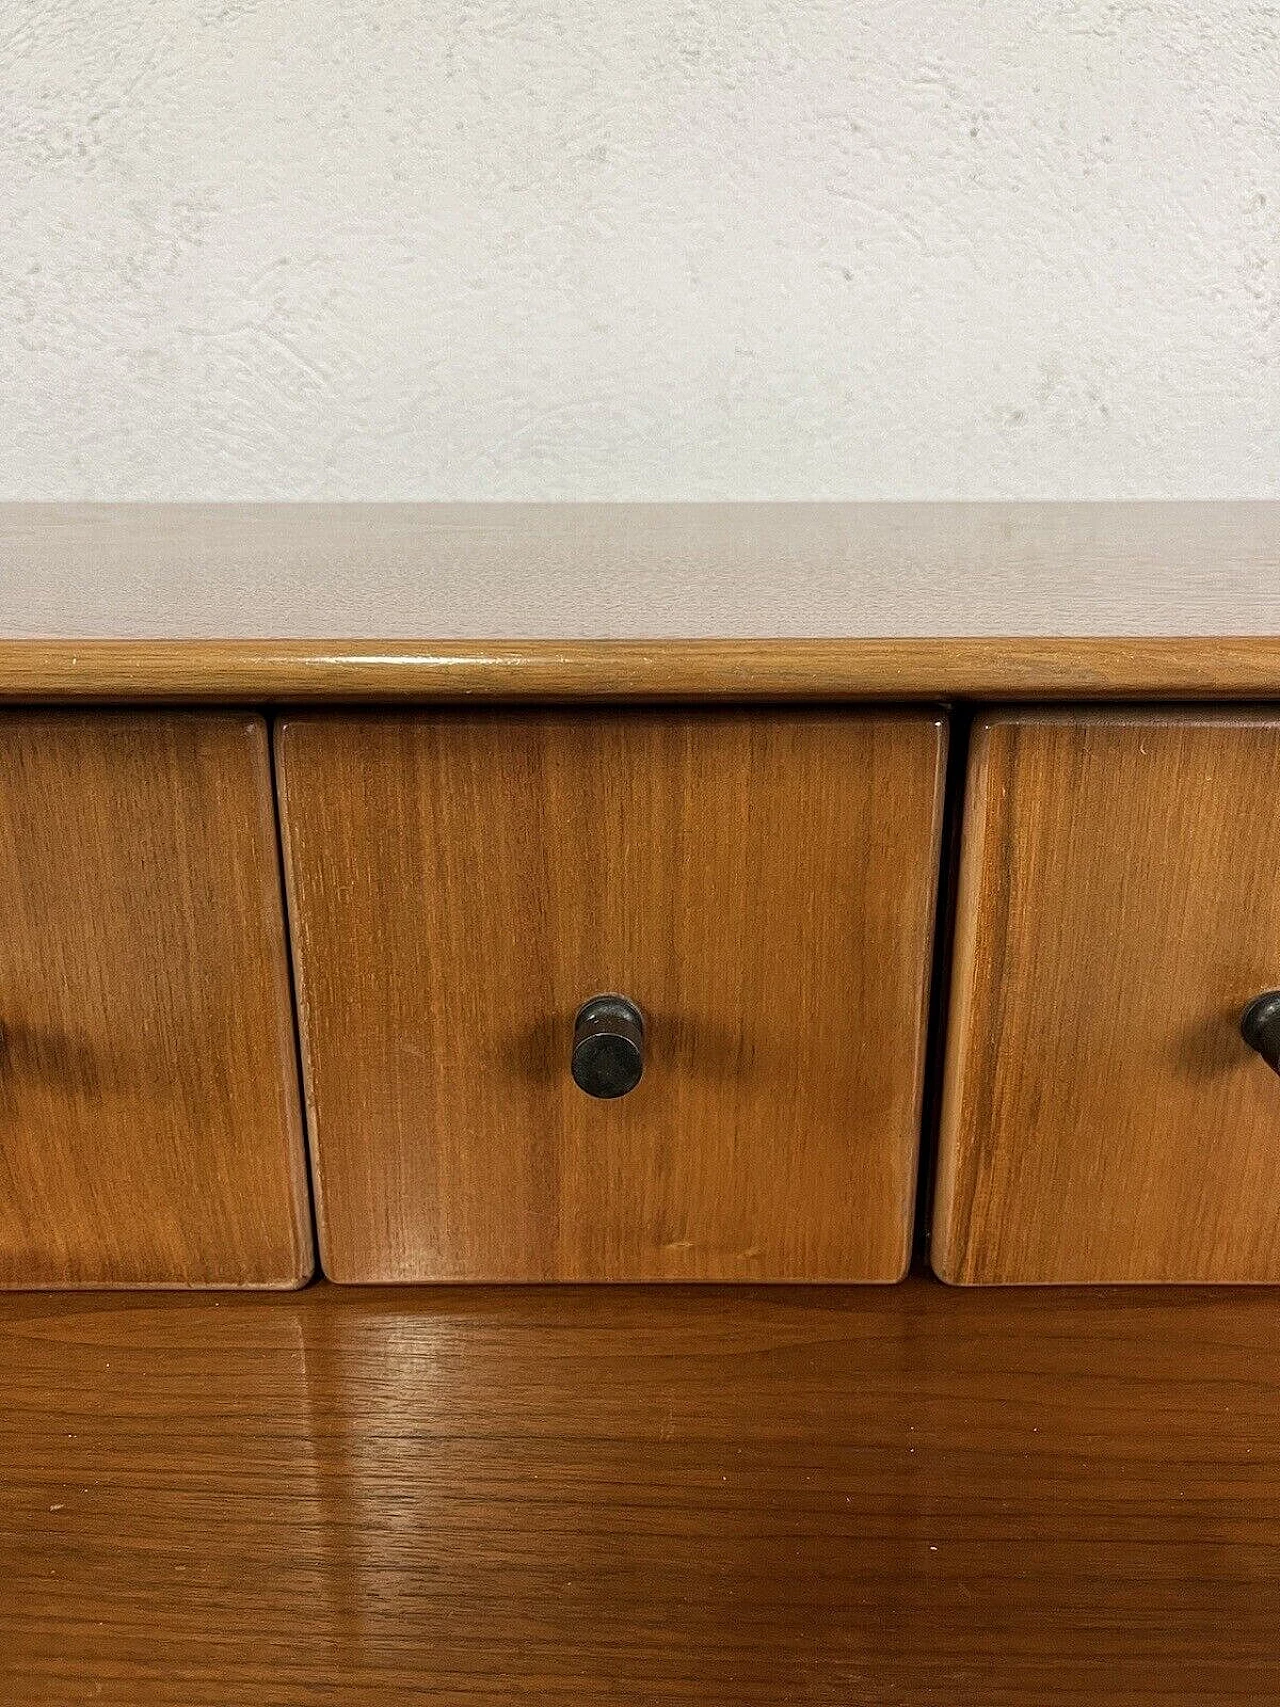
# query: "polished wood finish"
593,571
904,1495
304,672
1118,909
760,884
149,1120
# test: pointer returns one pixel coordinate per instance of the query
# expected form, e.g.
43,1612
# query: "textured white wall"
639,248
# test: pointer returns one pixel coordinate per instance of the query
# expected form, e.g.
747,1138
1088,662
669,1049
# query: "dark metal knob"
608,1047
1260,1027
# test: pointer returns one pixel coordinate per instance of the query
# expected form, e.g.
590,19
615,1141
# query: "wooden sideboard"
923,868
802,869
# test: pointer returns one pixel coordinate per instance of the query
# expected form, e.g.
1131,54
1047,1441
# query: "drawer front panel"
1119,908
150,1129
759,884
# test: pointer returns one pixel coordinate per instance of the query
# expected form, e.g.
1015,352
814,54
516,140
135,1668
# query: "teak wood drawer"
150,1131
758,883
1119,909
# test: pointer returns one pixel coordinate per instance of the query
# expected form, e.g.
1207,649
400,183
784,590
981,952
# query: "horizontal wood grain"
760,883
150,1130
582,571
311,671
1103,1119
725,1498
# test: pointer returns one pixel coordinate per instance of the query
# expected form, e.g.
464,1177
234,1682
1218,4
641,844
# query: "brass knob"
1260,1027
608,1047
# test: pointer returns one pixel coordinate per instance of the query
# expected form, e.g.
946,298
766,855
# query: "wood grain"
149,1120
585,571
760,884
283,672
910,1495
1103,1120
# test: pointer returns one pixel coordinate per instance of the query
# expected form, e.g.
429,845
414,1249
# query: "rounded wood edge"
311,671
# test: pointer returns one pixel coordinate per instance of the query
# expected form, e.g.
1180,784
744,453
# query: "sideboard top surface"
632,601
637,571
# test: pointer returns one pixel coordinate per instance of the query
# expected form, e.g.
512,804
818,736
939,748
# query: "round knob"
1260,1027
608,1047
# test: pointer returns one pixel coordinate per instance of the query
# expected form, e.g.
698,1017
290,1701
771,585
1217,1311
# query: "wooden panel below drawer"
150,1131
760,883
902,1496
1119,907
